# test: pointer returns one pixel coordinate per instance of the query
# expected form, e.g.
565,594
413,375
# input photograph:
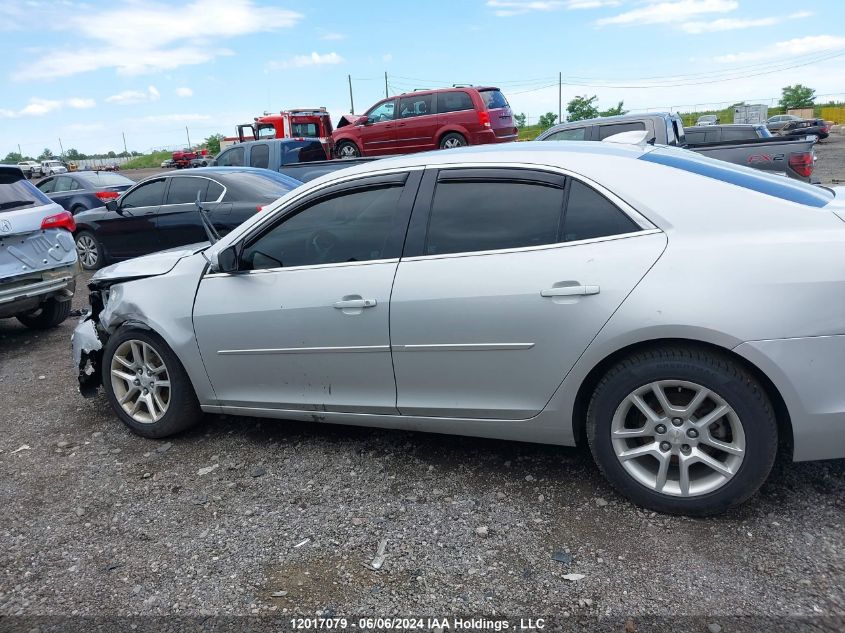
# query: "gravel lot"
242,516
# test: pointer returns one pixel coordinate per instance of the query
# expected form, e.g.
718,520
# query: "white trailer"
751,114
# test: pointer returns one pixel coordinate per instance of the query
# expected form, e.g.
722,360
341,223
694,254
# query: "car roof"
429,91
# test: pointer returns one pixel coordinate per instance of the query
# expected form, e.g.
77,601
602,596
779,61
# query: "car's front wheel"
146,384
682,430
89,250
347,149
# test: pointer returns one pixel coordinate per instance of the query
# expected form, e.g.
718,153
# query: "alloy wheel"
678,438
140,381
451,143
86,248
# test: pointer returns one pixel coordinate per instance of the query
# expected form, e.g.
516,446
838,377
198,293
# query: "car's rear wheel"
49,314
146,384
347,149
89,250
682,430
452,140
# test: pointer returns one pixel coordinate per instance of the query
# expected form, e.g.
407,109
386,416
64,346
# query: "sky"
89,73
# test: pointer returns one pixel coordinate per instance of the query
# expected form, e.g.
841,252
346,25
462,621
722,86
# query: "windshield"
266,130
16,193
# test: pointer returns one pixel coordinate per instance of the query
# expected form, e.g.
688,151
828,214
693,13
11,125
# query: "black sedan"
806,127
160,212
78,191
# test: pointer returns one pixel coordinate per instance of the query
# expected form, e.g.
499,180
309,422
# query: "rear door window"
63,183
259,156
416,106
453,101
590,215
184,189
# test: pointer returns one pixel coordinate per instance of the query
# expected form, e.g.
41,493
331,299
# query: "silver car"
681,315
38,264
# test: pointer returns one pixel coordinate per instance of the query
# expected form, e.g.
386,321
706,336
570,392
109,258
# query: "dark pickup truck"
301,158
793,158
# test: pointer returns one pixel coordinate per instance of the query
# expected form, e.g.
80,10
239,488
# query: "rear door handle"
570,291
355,303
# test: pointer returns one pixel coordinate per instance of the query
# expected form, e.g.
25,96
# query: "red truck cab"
295,123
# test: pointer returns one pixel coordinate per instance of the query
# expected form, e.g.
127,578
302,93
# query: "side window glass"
47,186
575,134
63,183
232,157
352,227
382,112
453,102
259,156
149,194
215,190
618,128
482,215
589,214
183,190
416,106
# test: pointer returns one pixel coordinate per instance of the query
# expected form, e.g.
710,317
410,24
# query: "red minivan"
427,119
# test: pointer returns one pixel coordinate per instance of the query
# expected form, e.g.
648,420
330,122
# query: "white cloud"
331,37
788,48
302,61
137,37
668,12
507,8
732,24
39,107
184,91
131,97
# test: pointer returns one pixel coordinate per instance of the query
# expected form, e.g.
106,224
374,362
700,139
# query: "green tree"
111,154
12,158
797,96
46,154
617,110
213,143
581,108
520,119
74,154
547,120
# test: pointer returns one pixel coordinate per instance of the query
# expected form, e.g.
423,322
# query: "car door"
504,283
416,125
178,221
378,134
303,324
130,231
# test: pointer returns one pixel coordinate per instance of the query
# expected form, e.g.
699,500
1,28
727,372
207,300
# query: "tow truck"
294,123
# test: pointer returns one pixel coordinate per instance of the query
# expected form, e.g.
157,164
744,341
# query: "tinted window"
618,128
16,193
183,190
232,157
149,194
214,191
64,183
488,215
258,186
494,99
382,112
259,156
302,152
47,186
355,227
575,134
589,214
777,186
453,102
416,106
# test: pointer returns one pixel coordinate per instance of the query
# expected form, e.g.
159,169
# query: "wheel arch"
591,381
452,129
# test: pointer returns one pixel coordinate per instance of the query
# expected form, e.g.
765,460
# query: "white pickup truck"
51,167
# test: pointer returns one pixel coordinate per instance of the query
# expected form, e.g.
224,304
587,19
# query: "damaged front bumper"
87,342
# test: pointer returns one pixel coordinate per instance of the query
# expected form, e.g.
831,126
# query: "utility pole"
61,148
560,97
385,85
125,151
189,136
19,150
351,102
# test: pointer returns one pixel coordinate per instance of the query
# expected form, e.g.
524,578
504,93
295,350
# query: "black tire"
347,149
50,314
452,140
78,209
88,238
718,373
183,410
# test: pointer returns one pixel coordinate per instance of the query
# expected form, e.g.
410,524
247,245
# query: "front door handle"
570,291
355,303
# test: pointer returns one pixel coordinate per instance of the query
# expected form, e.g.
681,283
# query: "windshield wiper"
11,204
210,231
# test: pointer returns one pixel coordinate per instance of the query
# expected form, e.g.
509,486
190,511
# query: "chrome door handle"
355,303
570,291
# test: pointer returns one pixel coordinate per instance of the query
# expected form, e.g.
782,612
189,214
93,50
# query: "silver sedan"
683,316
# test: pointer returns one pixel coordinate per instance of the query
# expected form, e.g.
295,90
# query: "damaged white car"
541,292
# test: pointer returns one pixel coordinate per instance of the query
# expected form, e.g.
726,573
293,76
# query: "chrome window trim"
265,271
541,247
